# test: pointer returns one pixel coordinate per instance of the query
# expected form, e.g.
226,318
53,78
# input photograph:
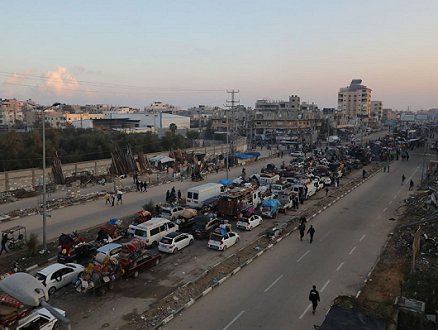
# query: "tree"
192,135
173,128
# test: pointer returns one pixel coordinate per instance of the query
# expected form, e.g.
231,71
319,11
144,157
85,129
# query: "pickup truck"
286,200
40,319
270,208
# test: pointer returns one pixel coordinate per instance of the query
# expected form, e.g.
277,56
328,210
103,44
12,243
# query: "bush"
149,206
31,244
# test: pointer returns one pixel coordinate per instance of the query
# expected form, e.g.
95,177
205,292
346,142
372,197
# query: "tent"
340,318
161,159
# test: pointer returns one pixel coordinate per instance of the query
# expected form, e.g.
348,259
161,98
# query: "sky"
187,53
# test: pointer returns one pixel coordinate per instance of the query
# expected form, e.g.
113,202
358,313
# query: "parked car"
40,319
58,275
171,212
297,154
111,249
326,180
318,184
203,225
249,223
145,261
222,242
174,242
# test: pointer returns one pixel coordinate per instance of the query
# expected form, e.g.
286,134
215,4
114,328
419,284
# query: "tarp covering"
340,318
243,156
271,203
225,182
161,159
253,153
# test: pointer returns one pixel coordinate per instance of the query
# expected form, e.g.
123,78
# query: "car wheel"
157,261
225,247
56,326
101,291
175,250
191,242
155,244
237,239
111,286
52,290
250,228
135,274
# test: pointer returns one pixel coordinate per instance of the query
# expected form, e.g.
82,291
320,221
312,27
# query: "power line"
99,84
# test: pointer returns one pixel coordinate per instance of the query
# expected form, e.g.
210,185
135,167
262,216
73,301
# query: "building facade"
355,100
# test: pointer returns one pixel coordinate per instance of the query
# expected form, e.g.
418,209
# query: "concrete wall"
12,180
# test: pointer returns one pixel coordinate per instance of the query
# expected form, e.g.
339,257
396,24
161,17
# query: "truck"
280,186
270,208
286,199
237,200
25,319
197,195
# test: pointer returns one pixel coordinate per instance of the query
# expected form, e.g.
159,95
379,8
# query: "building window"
259,123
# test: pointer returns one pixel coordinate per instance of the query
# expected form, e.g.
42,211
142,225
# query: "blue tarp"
243,156
112,221
254,153
225,182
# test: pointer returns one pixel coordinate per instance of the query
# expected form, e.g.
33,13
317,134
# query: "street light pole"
228,147
44,250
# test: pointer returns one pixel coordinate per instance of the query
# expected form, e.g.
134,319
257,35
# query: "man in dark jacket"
302,229
314,298
5,239
311,231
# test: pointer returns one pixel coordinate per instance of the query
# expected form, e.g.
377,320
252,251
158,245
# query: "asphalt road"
272,293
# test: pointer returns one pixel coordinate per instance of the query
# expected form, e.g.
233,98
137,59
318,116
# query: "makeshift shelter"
159,160
340,318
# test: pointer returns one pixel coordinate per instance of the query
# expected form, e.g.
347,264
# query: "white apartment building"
355,100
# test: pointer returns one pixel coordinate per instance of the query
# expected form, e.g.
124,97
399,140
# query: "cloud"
19,77
78,69
59,82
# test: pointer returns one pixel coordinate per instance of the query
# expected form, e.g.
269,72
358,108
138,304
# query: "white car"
318,184
171,213
249,223
40,319
173,242
57,275
222,242
111,249
296,154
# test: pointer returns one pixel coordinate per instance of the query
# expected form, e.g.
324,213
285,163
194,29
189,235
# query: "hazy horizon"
189,53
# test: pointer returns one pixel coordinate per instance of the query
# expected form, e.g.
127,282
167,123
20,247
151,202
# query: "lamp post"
227,159
44,250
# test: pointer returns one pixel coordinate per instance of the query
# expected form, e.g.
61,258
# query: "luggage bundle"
107,269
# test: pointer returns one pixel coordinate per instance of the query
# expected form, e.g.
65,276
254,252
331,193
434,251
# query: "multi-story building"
376,111
10,112
355,100
158,107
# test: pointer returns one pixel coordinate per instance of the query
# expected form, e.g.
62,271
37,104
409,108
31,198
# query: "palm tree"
173,128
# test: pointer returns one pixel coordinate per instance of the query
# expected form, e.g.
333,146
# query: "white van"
152,231
197,195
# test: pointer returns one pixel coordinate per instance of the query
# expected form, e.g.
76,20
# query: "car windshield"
40,277
244,220
166,240
215,237
165,211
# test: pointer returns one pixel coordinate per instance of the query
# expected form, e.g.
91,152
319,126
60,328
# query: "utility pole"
230,146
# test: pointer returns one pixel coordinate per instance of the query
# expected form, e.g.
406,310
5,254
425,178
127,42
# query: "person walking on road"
5,239
145,185
119,197
314,298
403,180
411,185
302,229
326,191
311,231
137,184
107,198
388,168
167,196
364,173
179,195
384,168
112,199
